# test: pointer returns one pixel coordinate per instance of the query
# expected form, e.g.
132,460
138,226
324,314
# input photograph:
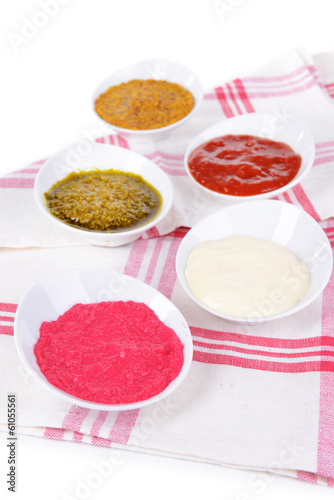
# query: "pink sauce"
110,352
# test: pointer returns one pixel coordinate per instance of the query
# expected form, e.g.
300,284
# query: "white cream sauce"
246,277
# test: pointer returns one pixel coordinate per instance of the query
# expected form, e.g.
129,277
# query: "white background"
46,84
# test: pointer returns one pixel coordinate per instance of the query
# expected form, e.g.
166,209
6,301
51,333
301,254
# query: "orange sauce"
144,104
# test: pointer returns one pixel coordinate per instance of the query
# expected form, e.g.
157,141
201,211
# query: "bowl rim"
260,320
165,208
154,131
172,386
231,198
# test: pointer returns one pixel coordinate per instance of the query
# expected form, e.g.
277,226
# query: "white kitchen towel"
260,398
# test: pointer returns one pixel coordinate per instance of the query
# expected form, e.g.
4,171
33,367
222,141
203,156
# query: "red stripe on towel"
326,406
122,428
243,95
223,102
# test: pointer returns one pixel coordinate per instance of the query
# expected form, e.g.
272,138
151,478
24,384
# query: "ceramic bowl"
103,157
267,125
270,220
155,69
52,295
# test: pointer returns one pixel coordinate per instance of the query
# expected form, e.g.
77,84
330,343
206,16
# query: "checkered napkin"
260,398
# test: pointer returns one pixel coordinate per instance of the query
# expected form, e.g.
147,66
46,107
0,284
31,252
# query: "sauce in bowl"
109,352
103,200
144,104
246,277
243,165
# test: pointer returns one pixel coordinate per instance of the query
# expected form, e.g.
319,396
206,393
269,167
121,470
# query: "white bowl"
274,221
103,157
155,69
52,295
266,125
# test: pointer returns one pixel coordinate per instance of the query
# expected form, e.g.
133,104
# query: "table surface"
54,53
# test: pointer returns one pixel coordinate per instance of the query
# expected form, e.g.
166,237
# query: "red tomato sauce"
109,352
243,165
